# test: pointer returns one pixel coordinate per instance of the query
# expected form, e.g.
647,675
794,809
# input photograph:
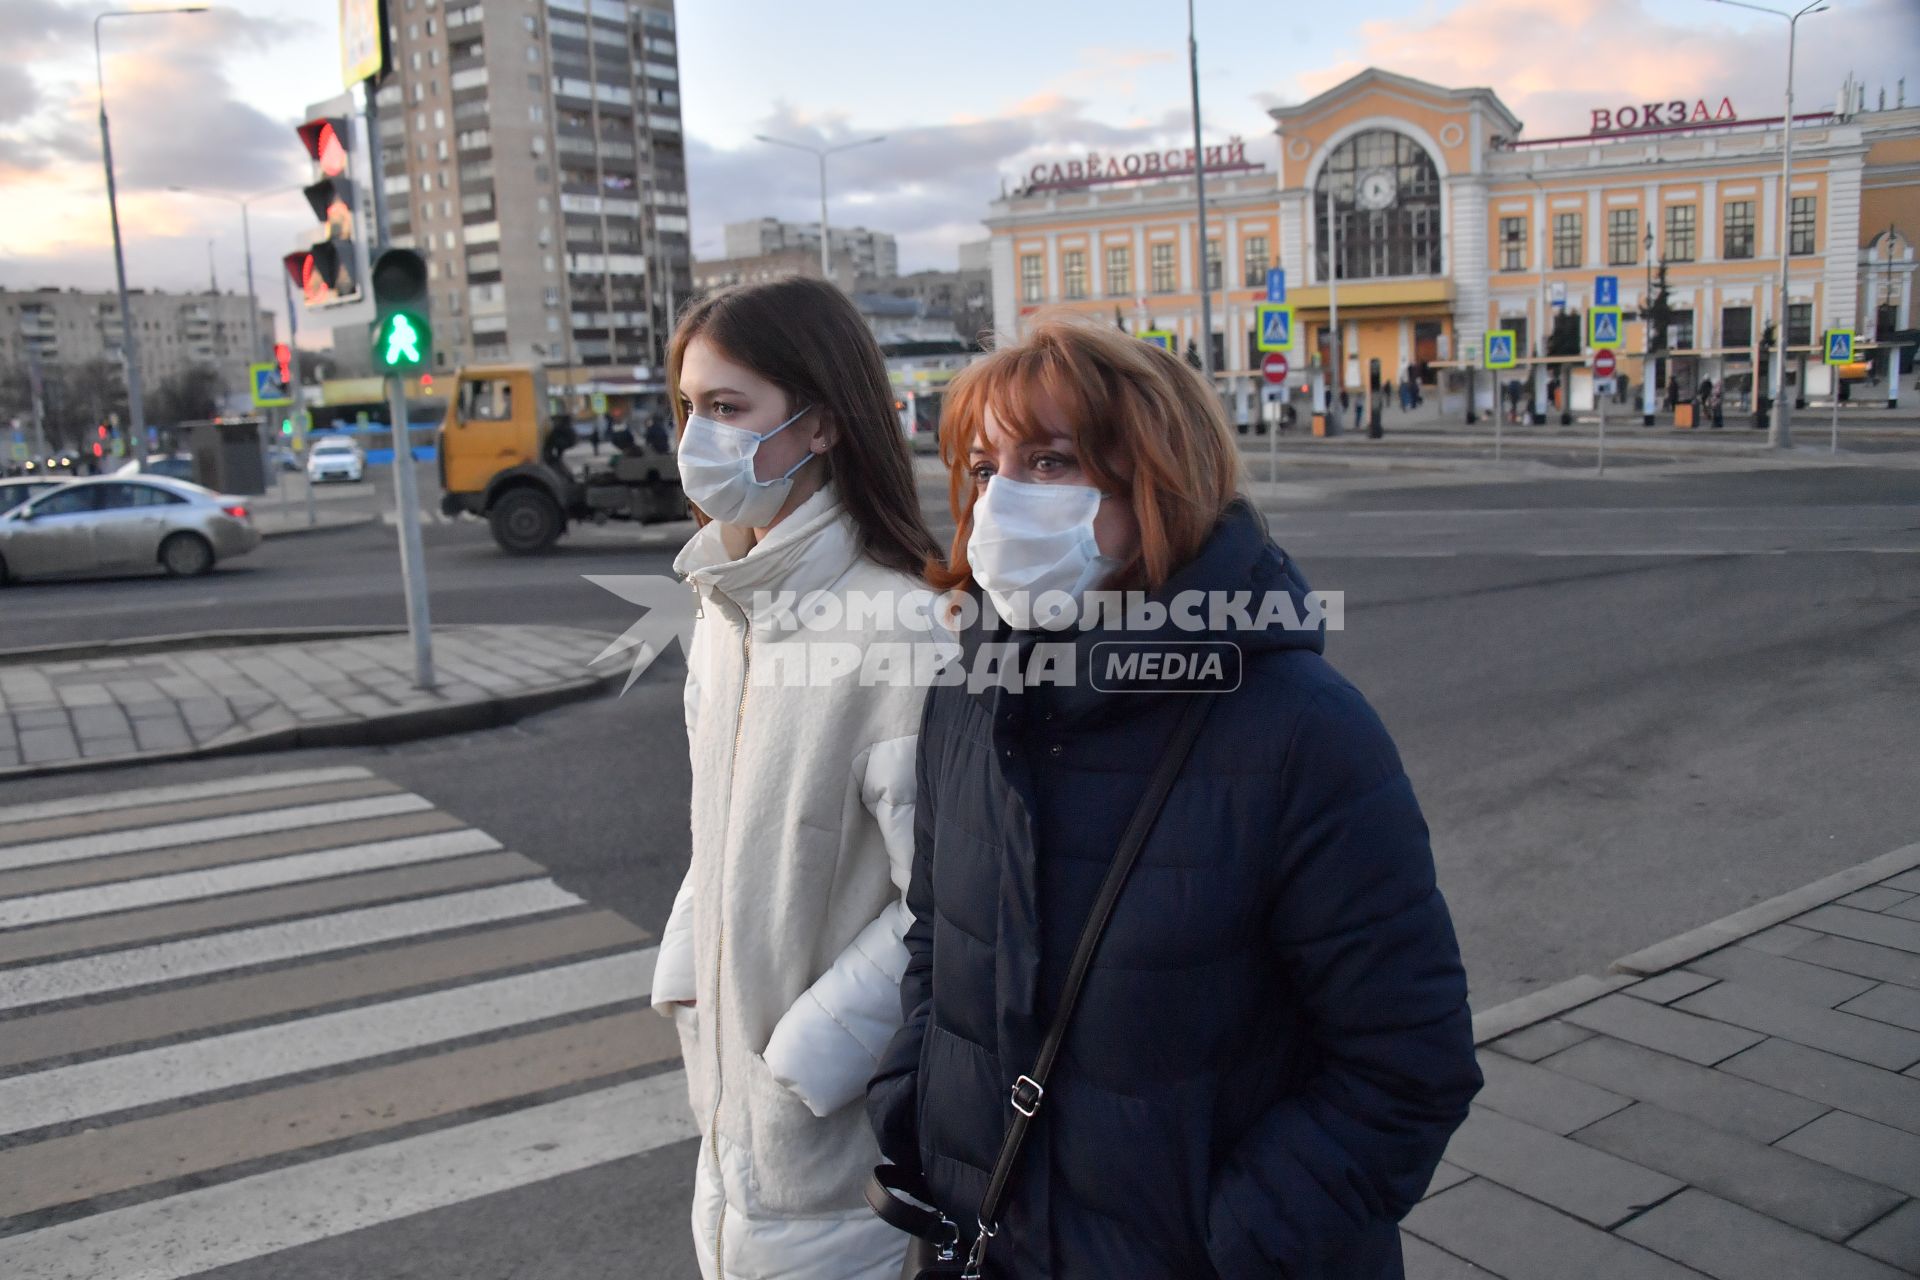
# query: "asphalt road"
1628,706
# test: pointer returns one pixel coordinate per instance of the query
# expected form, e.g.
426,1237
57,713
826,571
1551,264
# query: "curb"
1550,1002
402,726
188,640
358,522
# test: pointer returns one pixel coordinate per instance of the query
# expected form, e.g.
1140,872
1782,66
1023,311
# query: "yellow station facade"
1450,222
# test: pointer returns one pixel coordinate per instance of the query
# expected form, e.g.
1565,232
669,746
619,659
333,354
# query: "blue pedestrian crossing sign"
1500,349
1839,346
1606,291
1161,338
267,387
1603,326
1276,284
1276,326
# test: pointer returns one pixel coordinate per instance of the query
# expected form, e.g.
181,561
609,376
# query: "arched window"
1383,189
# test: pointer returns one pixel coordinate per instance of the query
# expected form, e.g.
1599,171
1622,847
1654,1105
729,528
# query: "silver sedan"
114,523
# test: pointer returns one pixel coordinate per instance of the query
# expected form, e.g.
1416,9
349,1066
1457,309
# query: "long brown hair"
1144,424
805,337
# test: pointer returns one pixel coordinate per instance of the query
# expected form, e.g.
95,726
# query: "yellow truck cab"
503,458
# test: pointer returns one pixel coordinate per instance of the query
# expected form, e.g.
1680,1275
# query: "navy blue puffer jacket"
1273,1044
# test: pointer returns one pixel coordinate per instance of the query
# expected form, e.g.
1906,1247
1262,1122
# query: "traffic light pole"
413,563
299,401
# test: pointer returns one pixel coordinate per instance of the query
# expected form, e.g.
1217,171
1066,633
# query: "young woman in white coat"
781,961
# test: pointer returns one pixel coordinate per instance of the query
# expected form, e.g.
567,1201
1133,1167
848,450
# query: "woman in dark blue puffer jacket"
1273,1044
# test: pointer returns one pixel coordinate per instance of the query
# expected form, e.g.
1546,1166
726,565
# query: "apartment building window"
1164,280
1214,269
1736,326
1681,327
1566,239
1800,237
1800,324
1513,244
1623,237
1119,271
1736,229
1253,258
1680,233
1032,277
1073,267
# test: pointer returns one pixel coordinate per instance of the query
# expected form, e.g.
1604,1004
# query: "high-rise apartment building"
874,253
533,152
175,331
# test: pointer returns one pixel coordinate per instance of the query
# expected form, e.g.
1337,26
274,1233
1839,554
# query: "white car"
114,523
335,458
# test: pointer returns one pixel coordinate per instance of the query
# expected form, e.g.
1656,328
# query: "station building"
1450,222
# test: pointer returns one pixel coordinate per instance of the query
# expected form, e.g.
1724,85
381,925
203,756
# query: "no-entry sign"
1603,363
1274,367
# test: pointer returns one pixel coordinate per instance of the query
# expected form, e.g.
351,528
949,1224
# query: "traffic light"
286,426
402,333
283,356
327,272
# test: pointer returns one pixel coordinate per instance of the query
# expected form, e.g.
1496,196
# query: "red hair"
1144,424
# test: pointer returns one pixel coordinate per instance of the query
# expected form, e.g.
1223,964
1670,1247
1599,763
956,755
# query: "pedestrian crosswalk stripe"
230,1000
210,976
222,853
185,885
267,944
99,802
196,1231
100,1161
212,1063
262,906
136,839
156,815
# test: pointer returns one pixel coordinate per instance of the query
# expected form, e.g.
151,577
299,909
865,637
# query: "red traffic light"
326,141
283,354
323,272
102,429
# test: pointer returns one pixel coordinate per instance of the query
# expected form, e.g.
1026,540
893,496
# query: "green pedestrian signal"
402,336
400,343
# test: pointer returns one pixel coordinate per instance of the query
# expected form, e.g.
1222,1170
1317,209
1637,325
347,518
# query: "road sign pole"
299,403
1603,433
1833,442
413,565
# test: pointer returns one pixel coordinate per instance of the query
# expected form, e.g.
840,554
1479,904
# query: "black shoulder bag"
935,1252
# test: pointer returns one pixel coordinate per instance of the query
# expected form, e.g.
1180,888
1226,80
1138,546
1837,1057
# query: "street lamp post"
129,344
1540,326
254,351
1200,196
1648,378
821,154
1779,436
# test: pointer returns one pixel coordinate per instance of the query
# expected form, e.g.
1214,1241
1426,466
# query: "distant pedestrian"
1359,412
658,441
1718,420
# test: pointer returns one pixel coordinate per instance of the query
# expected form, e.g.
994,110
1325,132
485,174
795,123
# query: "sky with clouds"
967,96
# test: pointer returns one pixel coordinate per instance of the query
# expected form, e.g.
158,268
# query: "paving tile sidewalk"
1741,1102
61,711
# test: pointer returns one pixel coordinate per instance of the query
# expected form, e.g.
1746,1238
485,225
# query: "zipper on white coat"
720,943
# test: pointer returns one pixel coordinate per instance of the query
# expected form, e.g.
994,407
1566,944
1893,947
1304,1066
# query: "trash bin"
1683,414
227,456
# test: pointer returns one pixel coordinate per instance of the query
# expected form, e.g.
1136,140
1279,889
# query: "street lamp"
821,153
1540,328
129,344
246,239
1779,437
1648,380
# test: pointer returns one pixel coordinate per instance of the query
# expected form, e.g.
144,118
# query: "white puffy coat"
788,929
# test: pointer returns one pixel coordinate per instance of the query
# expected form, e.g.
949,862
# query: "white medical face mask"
1029,539
716,470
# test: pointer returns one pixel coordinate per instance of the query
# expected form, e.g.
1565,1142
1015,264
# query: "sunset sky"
966,94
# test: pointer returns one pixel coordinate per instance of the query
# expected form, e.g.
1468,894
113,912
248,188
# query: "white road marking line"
212,1063
107,844
102,803
267,944
184,1235
151,891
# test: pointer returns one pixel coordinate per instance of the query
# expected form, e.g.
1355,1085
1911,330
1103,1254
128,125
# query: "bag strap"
1030,1088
